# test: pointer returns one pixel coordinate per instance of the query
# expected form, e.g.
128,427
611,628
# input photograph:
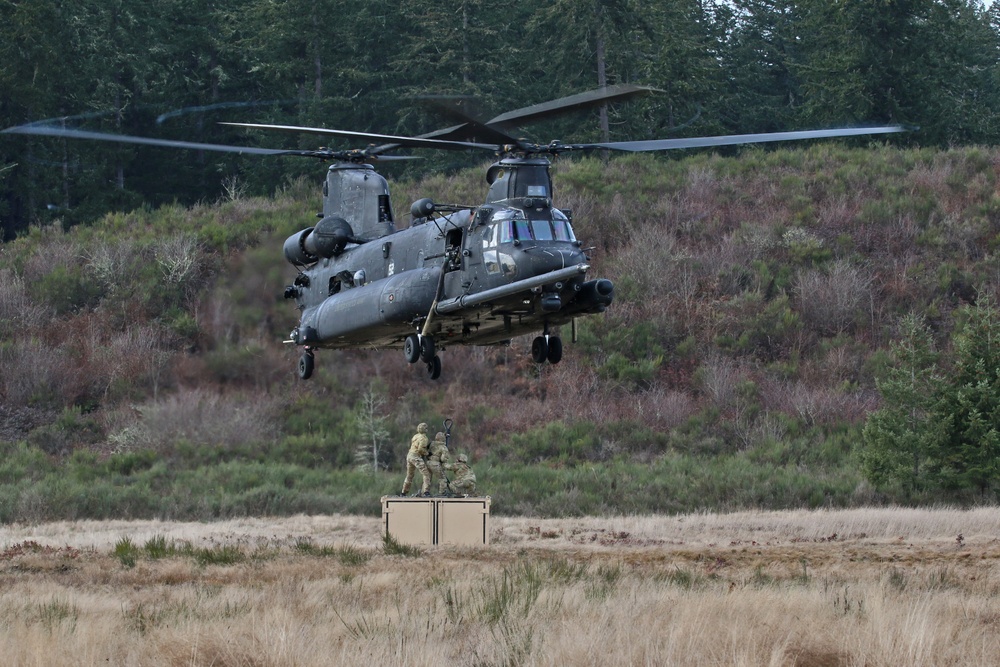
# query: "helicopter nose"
543,259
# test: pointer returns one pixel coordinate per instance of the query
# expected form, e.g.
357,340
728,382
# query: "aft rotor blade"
53,131
413,142
591,98
739,139
470,128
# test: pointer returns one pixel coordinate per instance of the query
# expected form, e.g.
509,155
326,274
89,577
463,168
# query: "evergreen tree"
968,456
759,62
899,437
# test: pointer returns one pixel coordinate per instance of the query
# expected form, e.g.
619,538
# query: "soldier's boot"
406,489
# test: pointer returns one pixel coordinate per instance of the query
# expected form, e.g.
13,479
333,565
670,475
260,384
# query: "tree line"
173,68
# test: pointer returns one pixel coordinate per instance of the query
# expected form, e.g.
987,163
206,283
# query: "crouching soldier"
416,460
463,481
437,460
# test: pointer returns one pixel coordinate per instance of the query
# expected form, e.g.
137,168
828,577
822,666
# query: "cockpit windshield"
512,225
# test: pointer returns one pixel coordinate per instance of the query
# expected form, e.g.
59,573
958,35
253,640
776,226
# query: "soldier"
416,460
463,482
439,457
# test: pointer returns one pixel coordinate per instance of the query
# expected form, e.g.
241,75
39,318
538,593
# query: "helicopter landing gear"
306,364
539,350
422,348
434,368
427,349
546,348
419,348
411,348
555,349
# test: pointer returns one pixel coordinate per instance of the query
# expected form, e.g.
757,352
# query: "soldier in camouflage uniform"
439,457
463,482
416,460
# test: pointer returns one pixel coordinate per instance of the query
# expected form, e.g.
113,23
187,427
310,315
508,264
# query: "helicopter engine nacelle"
327,239
295,248
330,236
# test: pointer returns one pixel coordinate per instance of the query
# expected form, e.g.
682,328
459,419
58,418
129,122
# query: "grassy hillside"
142,373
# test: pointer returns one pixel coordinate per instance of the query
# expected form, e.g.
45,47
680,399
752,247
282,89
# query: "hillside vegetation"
757,297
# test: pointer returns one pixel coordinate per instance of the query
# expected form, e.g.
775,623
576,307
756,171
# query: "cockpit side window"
505,231
560,223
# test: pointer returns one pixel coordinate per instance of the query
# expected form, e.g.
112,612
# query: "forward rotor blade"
52,131
739,139
413,142
495,130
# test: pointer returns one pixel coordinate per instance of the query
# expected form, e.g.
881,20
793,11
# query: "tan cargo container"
429,521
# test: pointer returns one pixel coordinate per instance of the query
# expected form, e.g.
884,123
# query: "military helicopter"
458,275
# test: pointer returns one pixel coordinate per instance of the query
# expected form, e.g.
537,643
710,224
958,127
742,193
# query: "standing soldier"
415,460
437,460
463,483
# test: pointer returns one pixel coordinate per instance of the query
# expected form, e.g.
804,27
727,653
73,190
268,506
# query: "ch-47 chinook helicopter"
458,275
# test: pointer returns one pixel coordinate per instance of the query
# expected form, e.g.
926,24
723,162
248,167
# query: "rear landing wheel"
427,349
411,348
539,350
434,368
306,364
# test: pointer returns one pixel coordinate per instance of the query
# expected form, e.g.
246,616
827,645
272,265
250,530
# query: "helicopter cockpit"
514,226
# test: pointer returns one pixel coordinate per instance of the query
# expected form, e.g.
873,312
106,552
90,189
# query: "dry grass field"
822,589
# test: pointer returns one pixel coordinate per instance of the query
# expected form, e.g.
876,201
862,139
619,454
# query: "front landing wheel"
555,349
539,350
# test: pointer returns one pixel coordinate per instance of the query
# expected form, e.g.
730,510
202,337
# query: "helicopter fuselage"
470,276
377,293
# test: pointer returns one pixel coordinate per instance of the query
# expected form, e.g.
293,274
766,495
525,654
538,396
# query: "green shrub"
126,552
392,547
66,288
